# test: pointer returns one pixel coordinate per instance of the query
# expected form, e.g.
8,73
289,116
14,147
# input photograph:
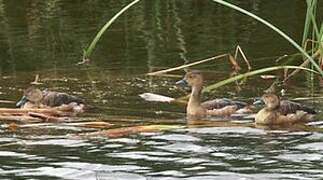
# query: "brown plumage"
35,98
288,107
271,113
217,107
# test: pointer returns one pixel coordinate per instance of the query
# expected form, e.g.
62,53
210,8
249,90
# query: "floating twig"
36,81
118,132
95,124
45,117
19,118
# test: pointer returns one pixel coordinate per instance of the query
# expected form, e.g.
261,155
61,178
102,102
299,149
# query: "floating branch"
186,65
232,60
45,117
50,111
94,124
19,118
118,132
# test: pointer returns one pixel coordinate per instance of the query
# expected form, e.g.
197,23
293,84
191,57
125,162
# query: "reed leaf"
320,41
271,26
87,53
308,19
252,73
313,19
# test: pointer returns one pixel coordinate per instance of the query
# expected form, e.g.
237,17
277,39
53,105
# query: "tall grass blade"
320,41
252,73
307,24
271,26
89,50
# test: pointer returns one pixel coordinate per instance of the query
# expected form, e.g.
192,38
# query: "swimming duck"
272,114
288,107
35,98
217,107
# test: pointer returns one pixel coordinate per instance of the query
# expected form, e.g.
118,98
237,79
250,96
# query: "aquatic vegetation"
310,21
277,30
252,73
87,53
312,41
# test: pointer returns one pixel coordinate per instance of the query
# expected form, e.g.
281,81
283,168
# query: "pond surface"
47,38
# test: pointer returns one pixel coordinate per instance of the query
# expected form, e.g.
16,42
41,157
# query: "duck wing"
221,103
52,99
288,107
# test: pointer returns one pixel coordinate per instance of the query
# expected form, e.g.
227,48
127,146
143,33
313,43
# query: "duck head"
32,94
271,101
192,79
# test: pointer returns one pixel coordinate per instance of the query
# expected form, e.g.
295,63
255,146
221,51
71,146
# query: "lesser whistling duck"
288,107
285,106
35,98
217,107
273,114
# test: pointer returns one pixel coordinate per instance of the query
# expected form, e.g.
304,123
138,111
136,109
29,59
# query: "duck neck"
270,108
195,98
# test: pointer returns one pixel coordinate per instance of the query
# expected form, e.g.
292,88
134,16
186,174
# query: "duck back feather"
287,107
221,103
52,99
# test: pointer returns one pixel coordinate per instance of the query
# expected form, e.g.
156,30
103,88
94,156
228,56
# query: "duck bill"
22,101
258,102
182,82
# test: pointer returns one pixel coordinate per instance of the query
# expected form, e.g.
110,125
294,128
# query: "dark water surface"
47,38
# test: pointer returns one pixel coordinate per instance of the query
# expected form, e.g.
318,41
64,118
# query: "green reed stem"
87,53
252,73
271,26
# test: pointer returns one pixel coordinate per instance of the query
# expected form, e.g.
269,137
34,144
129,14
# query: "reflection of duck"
218,107
273,114
35,98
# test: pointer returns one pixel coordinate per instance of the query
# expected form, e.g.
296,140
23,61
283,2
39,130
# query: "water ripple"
228,130
176,137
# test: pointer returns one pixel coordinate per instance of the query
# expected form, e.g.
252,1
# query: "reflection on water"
47,37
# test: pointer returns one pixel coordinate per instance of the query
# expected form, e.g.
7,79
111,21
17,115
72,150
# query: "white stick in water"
156,97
